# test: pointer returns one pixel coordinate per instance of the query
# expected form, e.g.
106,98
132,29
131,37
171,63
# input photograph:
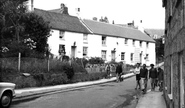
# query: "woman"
137,73
107,68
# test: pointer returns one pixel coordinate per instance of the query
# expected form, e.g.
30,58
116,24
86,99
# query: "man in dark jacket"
144,78
118,71
152,76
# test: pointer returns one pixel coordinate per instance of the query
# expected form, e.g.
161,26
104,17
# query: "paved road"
108,95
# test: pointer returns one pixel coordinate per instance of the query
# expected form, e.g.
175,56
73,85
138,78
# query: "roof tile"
62,21
116,30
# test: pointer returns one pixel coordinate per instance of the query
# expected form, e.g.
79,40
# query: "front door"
73,51
113,55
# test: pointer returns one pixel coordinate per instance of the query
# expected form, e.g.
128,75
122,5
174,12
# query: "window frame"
140,43
62,34
122,55
131,57
126,41
104,39
104,54
85,37
85,51
133,42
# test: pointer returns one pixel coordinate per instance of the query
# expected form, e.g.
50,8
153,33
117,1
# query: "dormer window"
103,40
147,45
61,34
133,42
140,43
126,41
85,37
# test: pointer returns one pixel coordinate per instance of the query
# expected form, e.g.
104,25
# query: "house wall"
94,44
70,39
174,69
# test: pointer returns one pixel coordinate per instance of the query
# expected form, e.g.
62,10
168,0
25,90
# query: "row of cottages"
174,64
75,37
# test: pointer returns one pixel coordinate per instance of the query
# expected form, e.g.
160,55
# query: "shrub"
68,70
56,79
23,82
78,68
96,60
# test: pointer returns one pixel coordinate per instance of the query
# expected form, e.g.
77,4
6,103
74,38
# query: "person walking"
137,73
160,78
108,70
152,76
118,71
144,78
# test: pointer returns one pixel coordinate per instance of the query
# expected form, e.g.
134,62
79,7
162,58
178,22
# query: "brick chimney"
77,10
64,9
30,5
140,26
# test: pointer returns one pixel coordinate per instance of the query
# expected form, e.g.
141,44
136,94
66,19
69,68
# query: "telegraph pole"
18,40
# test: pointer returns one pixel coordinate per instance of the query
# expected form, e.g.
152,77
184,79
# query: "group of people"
118,71
143,74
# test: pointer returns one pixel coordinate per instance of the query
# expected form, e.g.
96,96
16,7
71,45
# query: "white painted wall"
95,47
70,37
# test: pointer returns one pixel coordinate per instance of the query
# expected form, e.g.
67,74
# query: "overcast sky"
150,12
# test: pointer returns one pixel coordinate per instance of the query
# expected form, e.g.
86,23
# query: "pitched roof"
101,28
152,32
62,21
56,10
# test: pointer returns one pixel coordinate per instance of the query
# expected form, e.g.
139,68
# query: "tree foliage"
21,31
159,48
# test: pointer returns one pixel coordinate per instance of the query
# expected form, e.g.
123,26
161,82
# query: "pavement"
153,99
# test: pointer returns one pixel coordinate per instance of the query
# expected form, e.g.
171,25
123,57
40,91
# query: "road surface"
107,95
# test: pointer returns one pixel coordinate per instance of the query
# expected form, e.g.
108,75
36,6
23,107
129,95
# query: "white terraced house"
87,38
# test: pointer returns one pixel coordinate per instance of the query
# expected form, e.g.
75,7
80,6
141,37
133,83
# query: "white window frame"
126,41
61,34
133,42
85,51
123,55
147,57
61,49
104,38
140,43
104,54
85,37
147,44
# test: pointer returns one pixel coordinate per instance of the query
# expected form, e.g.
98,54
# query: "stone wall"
174,48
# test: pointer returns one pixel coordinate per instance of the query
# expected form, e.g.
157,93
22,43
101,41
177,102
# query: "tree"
36,33
21,31
159,49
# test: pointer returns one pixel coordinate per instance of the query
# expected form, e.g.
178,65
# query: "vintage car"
6,94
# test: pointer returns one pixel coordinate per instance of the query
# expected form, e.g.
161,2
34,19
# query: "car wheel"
6,100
